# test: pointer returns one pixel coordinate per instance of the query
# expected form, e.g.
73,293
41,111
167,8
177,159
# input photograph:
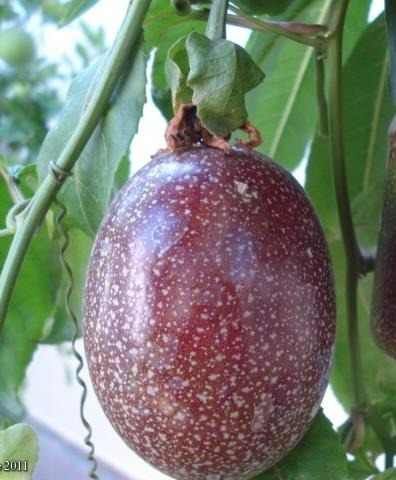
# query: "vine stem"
216,27
353,256
312,35
119,55
321,92
15,194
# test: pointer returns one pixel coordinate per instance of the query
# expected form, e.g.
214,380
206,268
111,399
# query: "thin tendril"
65,240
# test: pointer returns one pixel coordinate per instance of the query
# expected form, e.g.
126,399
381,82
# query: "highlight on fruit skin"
383,313
210,313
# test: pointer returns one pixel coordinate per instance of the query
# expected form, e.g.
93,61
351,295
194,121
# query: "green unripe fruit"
16,47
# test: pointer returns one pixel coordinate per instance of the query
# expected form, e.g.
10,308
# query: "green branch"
321,92
312,35
352,251
119,56
216,28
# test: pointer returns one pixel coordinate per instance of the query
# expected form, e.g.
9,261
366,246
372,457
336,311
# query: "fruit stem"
320,92
352,251
313,35
216,27
119,56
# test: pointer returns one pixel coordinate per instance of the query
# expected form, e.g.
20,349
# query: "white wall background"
51,393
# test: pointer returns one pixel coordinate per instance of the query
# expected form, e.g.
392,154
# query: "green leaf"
74,8
368,112
284,107
362,465
319,455
360,471
31,305
387,475
221,73
177,69
162,28
89,191
18,443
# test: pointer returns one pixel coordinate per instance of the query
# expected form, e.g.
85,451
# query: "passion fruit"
209,314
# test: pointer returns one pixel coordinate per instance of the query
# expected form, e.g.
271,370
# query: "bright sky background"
51,394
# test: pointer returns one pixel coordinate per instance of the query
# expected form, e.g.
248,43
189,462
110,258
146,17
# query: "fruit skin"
16,46
383,313
210,315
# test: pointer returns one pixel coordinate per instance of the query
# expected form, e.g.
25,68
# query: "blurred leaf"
221,73
362,465
360,471
87,194
387,475
284,107
19,443
28,100
92,45
319,455
163,27
6,11
95,36
31,304
75,8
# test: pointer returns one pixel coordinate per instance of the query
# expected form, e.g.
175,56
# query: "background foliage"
284,109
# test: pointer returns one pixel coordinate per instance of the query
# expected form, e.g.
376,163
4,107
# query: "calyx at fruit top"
186,130
209,80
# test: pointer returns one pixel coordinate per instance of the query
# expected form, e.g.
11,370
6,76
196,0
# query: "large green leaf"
284,107
88,192
319,455
31,304
162,28
18,443
368,111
